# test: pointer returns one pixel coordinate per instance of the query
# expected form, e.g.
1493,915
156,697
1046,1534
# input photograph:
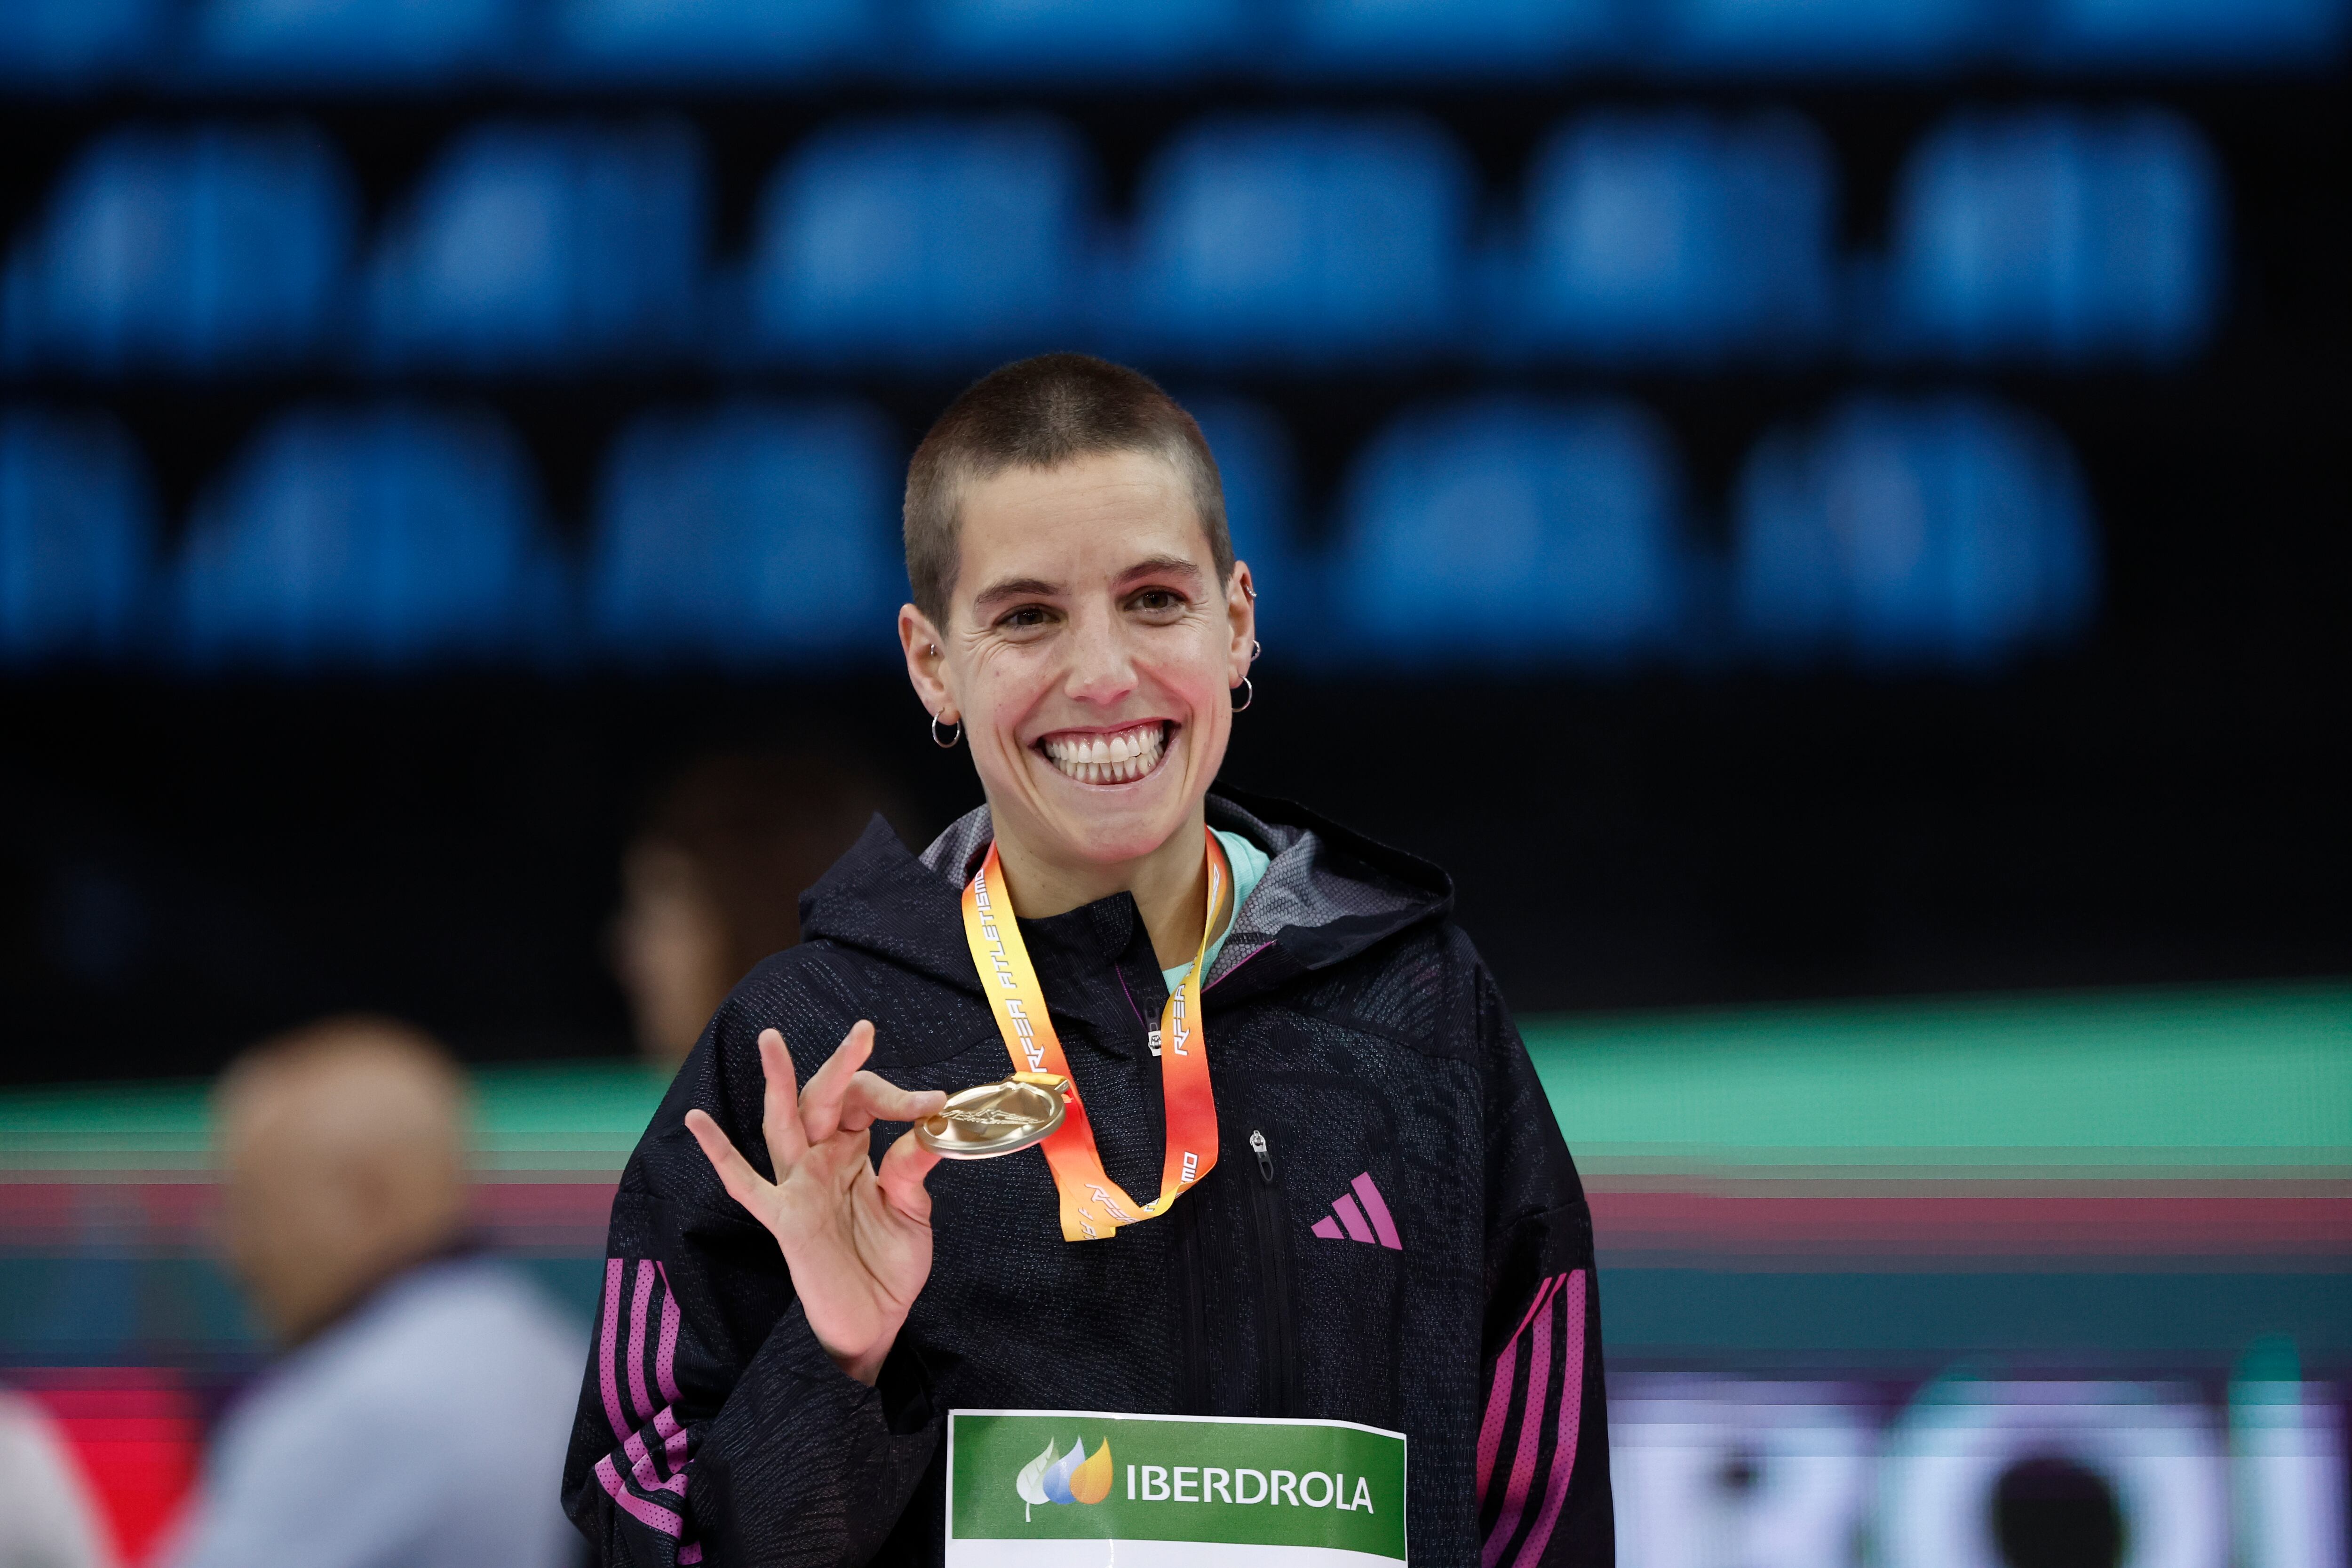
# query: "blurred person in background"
416,1416
1371,1226
711,884
47,1518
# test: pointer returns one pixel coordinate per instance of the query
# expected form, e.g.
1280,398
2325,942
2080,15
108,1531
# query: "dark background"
184,865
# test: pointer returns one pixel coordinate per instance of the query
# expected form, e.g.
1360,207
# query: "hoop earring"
950,744
1249,695
1257,649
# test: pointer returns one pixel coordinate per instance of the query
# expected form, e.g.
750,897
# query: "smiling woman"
803,1318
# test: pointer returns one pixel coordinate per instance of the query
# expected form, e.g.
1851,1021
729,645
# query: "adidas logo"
1361,1215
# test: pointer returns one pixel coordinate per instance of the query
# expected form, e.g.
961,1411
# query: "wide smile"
1109,757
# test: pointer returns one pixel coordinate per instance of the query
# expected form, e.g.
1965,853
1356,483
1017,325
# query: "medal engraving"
994,1119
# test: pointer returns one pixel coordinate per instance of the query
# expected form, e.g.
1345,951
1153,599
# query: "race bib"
1071,1488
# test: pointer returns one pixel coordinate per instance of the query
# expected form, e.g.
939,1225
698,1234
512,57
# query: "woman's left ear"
1241,612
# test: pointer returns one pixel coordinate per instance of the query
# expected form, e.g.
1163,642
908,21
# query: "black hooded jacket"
1368,1079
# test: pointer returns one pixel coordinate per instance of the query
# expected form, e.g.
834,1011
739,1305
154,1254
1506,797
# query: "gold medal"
995,1119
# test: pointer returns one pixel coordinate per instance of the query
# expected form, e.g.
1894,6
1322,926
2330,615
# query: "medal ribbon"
1093,1206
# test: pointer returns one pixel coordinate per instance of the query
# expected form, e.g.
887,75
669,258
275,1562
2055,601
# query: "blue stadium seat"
1261,485
1939,533
387,539
352,42
538,244
750,534
1674,235
2059,235
76,538
925,241
2193,33
1089,40
1302,238
74,43
201,251
1505,531
1449,38
710,40
1815,36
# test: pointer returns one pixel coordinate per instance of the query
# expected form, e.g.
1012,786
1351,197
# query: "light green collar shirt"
1249,863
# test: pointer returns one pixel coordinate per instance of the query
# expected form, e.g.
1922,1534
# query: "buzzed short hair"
1040,414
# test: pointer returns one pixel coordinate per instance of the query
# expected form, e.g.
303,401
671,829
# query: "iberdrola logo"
1073,1478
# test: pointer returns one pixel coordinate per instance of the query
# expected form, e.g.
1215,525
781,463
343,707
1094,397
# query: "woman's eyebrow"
1159,566
1015,588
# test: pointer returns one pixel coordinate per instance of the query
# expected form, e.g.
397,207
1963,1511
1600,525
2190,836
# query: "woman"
1366,1224
711,883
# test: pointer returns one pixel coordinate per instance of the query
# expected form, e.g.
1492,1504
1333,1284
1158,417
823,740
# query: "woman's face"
1090,652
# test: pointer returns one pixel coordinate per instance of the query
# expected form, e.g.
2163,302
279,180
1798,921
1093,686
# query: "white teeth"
1113,759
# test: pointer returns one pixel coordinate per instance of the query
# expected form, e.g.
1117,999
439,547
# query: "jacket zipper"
1196,1391
1278,1339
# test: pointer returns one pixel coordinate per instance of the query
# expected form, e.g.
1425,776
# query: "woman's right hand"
857,1239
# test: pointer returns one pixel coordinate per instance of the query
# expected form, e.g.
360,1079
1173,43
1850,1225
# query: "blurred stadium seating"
1501,530
1675,236
2056,234
2188,35
77,538
355,43
1675,239
213,250
925,241
1942,533
383,539
746,534
76,43
1824,36
407,45
708,40
540,245
1407,39
1299,239
1315,242
1016,40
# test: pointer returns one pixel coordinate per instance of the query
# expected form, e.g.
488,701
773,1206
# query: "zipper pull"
1265,1158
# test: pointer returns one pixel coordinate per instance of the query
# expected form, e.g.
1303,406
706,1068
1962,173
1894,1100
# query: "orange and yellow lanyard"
1093,1206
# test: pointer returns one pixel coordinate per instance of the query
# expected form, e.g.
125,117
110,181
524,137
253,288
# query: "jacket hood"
1327,894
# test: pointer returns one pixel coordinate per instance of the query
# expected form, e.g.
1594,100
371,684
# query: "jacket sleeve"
1543,1439
712,1424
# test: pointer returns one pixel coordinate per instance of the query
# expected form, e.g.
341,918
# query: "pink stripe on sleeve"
639,1309
653,1516
689,1553
1498,1398
1537,1305
1571,1411
1523,1462
608,1349
673,1436
1383,1225
641,1466
1353,1218
666,1356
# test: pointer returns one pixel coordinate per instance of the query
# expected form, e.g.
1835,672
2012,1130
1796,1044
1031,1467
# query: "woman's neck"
1170,886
